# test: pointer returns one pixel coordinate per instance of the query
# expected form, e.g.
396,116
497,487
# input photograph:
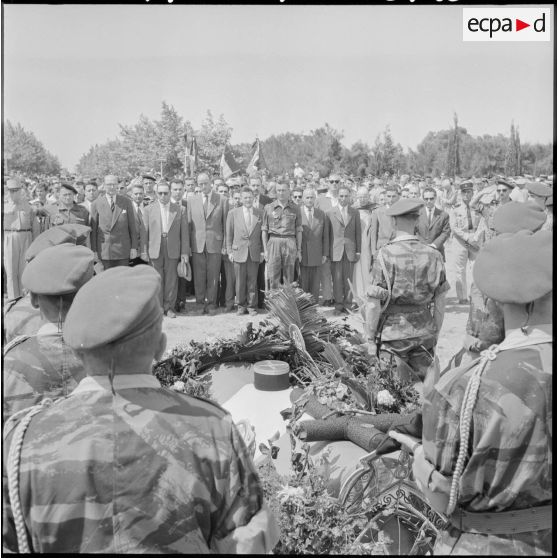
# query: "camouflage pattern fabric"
282,220
148,470
510,452
40,366
59,215
21,319
485,321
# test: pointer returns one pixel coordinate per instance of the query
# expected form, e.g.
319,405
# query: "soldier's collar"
48,329
125,381
404,237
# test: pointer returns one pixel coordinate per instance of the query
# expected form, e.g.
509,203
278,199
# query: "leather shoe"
170,314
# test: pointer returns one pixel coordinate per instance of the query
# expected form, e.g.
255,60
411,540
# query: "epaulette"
15,342
9,305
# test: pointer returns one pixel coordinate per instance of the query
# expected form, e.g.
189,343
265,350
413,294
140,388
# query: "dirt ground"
186,327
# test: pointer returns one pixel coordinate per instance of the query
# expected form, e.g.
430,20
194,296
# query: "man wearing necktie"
464,221
433,225
245,250
207,218
137,195
114,235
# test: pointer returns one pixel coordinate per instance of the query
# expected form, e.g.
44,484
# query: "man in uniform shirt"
464,221
66,210
20,226
199,490
406,295
485,458
40,365
281,237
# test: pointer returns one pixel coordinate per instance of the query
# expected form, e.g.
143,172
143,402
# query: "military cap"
13,184
539,189
68,187
130,307
466,185
515,268
520,181
505,183
405,206
58,270
148,177
549,201
69,233
514,216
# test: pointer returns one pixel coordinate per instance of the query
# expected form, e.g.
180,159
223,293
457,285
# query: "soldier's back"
20,318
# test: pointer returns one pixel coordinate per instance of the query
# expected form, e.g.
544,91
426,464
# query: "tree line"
150,145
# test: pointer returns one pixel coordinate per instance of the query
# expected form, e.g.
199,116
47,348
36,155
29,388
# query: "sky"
72,73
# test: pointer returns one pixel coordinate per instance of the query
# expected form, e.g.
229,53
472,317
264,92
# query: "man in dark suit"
167,241
315,244
137,196
207,216
344,248
260,201
245,250
184,286
433,226
114,236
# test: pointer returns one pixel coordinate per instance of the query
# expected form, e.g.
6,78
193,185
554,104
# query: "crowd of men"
97,266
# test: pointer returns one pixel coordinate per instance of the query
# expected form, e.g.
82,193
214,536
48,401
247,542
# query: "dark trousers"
115,263
246,277
206,277
226,282
261,286
166,267
340,272
310,280
181,291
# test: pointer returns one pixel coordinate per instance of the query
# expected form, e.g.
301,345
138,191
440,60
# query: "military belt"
404,308
281,235
17,230
503,523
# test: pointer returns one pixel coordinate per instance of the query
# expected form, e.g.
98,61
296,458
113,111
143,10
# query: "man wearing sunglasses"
433,226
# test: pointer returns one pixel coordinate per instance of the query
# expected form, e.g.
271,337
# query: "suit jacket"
323,202
437,232
343,238
382,229
113,235
315,239
207,231
140,226
178,239
241,241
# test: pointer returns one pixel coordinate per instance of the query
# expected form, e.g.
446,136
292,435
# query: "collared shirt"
309,213
248,216
111,199
279,220
164,217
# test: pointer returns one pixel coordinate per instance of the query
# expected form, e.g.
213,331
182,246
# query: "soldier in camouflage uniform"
124,465
409,278
41,365
66,210
486,462
20,316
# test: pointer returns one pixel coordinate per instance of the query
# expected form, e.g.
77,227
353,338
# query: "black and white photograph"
278,278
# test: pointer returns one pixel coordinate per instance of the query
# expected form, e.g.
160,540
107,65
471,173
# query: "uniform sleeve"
9,537
245,525
265,220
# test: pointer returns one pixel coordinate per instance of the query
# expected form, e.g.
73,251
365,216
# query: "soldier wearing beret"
539,192
484,460
20,227
66,210
126,465
406,295
40,365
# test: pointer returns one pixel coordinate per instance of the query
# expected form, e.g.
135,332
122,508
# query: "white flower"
179,386
341,391
385,398
290,492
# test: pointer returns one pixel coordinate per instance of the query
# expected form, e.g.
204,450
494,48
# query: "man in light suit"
114,236
167,241
245,250
344,248
382,228
433,225
315,244
207,216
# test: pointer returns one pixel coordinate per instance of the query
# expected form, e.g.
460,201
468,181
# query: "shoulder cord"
387,278
465,420
14,457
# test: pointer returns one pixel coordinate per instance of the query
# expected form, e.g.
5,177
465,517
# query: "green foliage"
23,152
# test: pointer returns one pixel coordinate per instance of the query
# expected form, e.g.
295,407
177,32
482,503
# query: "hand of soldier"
133,254
410,443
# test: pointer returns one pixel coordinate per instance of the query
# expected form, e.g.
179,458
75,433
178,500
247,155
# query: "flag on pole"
228,165
186,158
257,162
193,157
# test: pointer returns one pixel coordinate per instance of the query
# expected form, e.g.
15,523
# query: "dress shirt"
309,214
248,216
164,217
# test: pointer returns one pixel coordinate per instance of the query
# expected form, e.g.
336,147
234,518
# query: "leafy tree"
453,162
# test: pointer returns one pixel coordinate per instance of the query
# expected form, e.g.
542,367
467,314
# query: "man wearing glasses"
296,196
433,225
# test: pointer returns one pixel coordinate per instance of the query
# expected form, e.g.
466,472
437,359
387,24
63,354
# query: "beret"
71,233
539,189
12,184
404,206
515,268
505,183
130,307
58,270
68,187
148,177
514,216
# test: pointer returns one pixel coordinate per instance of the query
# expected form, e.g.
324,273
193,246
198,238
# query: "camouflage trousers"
281,256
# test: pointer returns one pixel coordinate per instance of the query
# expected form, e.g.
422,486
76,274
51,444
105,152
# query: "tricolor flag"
257,162
228,165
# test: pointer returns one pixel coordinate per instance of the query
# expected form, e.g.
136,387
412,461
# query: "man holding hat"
406,295
124,464
20,226
41,365
66,210
464,221
485,458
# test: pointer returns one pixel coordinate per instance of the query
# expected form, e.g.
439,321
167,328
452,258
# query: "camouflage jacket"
59,215
20,318
148,470
417,274
509,464
485,321
37,367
